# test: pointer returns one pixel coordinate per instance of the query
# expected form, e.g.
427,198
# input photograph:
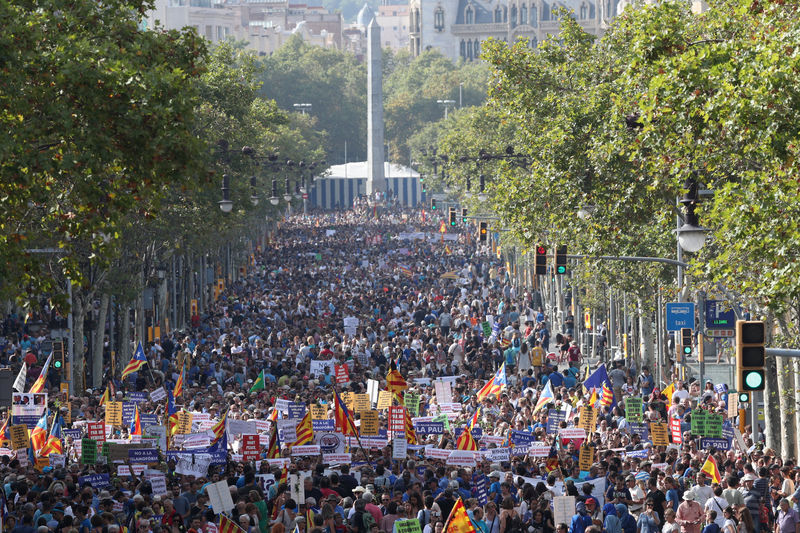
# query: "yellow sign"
349,399
184,426
659,433
42,462
65,389
19,436
384,399
587,318
193,306
318,412
362,403
369,423
114,413
586,458
588,419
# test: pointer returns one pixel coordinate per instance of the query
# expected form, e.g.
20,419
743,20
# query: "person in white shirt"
717,503
703,492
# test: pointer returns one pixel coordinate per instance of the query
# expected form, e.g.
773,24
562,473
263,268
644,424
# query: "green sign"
487,329
633,409
106,447
411,402
713,426
88,451
443,418
410,525
698,422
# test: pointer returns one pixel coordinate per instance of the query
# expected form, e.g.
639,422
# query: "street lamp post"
302,107
446,104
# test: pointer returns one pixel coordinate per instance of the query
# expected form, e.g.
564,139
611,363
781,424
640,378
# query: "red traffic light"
541,250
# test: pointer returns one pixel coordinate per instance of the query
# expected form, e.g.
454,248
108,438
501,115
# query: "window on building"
469,16
534,15
438,19
584,11
505,14
463,49
469,50
416,20
533,42
523,14
513,16
476,48
498,14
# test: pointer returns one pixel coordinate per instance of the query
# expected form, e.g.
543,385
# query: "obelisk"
376,181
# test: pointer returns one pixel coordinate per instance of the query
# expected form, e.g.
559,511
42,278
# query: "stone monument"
376,181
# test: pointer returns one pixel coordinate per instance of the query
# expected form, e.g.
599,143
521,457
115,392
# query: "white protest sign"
287,429
444,393
308,449
399,447
220,496
563,509
241,427
159,484
194,464
160,432
338,458
461,458
158,394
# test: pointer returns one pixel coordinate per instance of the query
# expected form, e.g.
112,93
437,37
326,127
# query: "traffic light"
686,342
561,259
422,183
483,232
433,204
744,397
463,215
451,213
750,354
58,355
541,260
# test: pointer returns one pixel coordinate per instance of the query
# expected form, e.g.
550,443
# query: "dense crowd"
333,305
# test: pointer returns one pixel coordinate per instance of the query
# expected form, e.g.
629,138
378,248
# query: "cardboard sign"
349,399
733,405
698,426
362,403
88,451
114,413
659,433
370,423
397,418
96,431
19,436
633,409
554,419
319,412
384,400
713,427
219,496
563,509
158,482
586,458
184,426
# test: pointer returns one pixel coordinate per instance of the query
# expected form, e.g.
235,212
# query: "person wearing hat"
689,515
581,519
752,500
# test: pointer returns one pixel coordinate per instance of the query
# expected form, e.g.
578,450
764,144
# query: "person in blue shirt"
671,493
556,379
580,520
569,379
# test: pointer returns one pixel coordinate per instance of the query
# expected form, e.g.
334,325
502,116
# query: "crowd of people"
494,403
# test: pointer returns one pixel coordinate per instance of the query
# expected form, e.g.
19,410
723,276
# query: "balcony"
472,29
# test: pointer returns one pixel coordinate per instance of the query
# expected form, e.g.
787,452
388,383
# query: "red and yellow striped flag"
305,430
411,434
395,382
458,521
466,441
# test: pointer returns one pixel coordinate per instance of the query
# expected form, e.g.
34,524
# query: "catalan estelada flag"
495,385
341,415
179,383
545,397
39,434
458,521
710,467
136,363
606,396
405,270
53,444
466,441
474,419
38,385
305,430
395,382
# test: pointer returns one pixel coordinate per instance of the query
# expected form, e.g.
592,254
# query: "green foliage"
334,82
97,116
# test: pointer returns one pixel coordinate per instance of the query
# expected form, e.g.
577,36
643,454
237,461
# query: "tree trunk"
99,338
796,367
771,402
79,309
645,336
785,384
125,351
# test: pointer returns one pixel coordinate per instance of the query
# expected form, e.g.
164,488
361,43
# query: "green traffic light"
754,379
687,350
744,397
57,364
561,269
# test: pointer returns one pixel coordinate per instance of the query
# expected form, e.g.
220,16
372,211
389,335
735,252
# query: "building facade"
264,25
458,27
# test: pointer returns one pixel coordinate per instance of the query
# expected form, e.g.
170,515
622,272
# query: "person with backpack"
510,521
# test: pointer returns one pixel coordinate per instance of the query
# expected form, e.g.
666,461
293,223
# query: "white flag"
19,383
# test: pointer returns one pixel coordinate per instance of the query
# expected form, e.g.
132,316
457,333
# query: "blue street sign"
719,315
680,315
